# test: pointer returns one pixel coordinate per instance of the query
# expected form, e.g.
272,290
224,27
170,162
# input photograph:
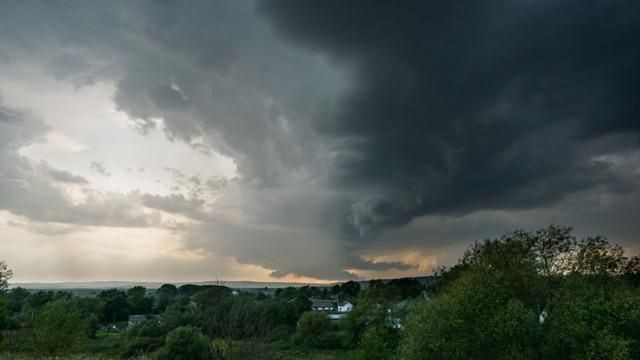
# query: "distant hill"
93,285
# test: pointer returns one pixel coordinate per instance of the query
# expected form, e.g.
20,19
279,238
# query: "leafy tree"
39,299
313,323
596,256
350,289
373,346
186,343
91,308
116,306
540,295
16,299
143,338
165,295
59,329
408,287
593,319
139,302
3,318
189,290
335,289
632,271
176,315
5,275
312,327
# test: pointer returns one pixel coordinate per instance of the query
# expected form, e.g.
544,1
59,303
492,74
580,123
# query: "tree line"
525,295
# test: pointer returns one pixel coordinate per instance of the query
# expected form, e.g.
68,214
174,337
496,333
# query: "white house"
345,307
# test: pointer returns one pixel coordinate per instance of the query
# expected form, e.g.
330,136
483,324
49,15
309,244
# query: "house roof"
322,303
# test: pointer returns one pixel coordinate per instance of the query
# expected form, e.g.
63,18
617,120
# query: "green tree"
312,324
143,338
116,306
16,299
350,289
539,295
176,315
3,316
186,343
5,275
91,308
59,329
314,329
165,295
139,302
408,287
373,346
593,319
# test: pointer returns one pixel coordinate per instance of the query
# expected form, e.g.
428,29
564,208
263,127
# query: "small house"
323,305
345,307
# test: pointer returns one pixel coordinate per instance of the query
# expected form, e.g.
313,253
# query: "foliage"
139,302
315,330
5,275
16,299
91,309
59,328
116,306
526,295
3,313
143,338
373,346
178,314
186,343
164,295
530,296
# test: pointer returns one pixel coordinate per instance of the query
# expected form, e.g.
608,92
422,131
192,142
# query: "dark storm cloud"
477,105
362,264
349,120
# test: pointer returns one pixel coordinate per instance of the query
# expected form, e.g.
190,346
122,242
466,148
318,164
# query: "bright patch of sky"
88,131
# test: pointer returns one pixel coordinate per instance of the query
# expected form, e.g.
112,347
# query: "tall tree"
5,275
539,295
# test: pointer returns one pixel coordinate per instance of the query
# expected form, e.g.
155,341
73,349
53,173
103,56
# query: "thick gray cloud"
356,126
460,108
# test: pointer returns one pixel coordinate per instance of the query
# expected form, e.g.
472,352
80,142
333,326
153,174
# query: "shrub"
185,343
59,329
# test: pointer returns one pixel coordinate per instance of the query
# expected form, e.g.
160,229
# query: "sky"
309,141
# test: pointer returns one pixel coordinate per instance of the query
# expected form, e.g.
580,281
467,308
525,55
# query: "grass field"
107,346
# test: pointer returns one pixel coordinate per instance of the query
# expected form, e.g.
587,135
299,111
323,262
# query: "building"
345,307
323,305
137,319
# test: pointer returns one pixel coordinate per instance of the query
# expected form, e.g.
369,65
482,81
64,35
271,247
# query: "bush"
145,337
373,346
186,343
137,346
312,324
329,340
59,329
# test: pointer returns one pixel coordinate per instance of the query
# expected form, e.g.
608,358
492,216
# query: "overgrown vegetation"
539,295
